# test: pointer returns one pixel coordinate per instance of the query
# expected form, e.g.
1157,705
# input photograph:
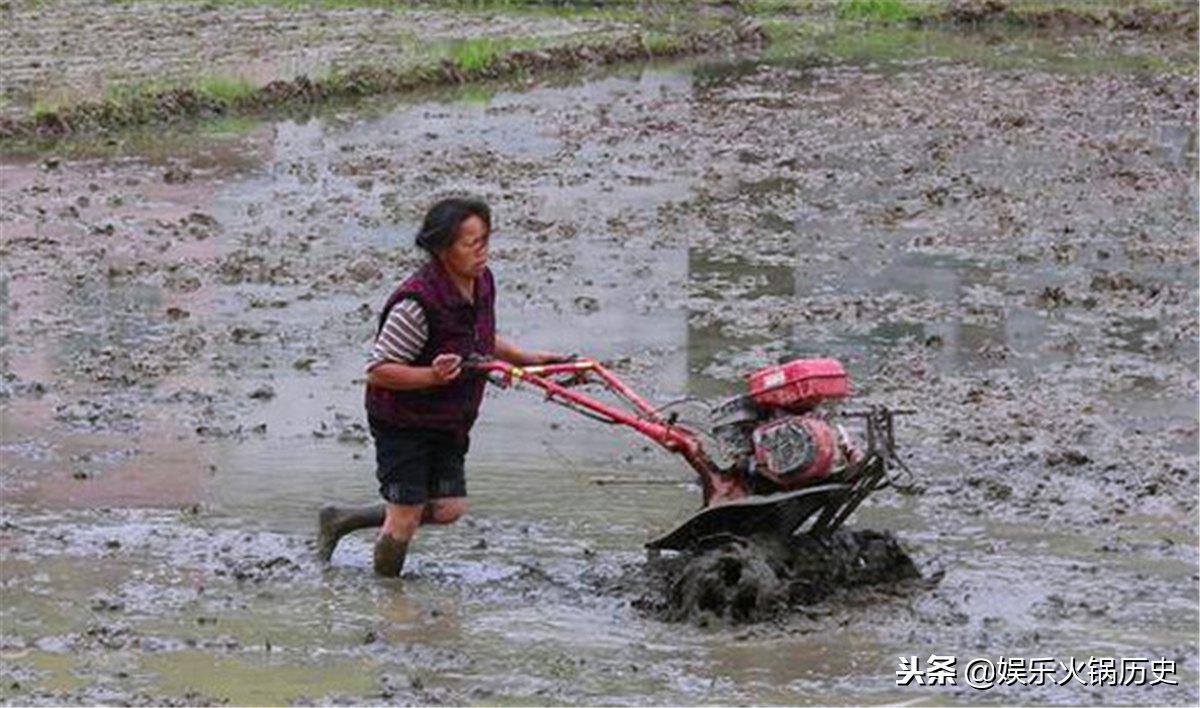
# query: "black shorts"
415,465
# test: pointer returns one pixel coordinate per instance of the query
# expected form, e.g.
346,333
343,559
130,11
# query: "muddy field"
1008,249
62,52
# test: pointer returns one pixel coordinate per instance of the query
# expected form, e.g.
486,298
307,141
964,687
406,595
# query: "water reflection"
94,323
992,333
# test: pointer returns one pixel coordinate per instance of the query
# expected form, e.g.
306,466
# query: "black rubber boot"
333,522
389,556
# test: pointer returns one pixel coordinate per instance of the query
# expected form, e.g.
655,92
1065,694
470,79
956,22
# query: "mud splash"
756,579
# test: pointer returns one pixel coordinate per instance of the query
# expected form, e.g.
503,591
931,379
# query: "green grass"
479,53
1090,7
475,53
660,42
225,88
881,10
771,7
125,92
50,101
42,108
783,32
1017,49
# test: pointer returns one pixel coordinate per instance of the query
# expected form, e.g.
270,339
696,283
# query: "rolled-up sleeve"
403,335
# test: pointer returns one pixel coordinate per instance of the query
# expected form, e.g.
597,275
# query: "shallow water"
1011,252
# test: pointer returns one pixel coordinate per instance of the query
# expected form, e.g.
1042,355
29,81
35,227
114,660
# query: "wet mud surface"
1010,252
190,103
64,50
1078,17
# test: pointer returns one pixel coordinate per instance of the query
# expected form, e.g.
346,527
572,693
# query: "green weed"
782,31
1021,50
125,92
659,43
772,7
879,10
42,108
225,88
475,54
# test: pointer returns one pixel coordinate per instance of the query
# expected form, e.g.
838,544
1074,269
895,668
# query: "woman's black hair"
443,219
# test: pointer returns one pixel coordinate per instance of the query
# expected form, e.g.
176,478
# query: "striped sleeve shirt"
403,335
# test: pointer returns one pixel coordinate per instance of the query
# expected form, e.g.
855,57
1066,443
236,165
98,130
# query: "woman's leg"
444,510
402,468
333,522
421,480
399,526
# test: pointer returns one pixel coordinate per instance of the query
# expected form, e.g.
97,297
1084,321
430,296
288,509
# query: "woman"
420,406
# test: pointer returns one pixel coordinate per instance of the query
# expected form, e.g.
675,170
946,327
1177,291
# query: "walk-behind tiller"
790,461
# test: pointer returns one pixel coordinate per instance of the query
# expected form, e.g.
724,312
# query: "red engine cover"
801,383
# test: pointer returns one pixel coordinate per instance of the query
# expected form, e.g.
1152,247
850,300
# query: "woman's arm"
404,377
513,354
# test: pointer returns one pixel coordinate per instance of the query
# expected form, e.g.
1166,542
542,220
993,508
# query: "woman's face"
467,255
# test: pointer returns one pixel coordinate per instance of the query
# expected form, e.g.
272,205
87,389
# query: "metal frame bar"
645,418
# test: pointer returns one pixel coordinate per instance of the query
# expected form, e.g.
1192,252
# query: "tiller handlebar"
559,380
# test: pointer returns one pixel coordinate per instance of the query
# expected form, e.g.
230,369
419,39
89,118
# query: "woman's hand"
395,376
513,354
446,368
547,357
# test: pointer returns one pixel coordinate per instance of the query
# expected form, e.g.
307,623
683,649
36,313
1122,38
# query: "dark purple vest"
456,327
